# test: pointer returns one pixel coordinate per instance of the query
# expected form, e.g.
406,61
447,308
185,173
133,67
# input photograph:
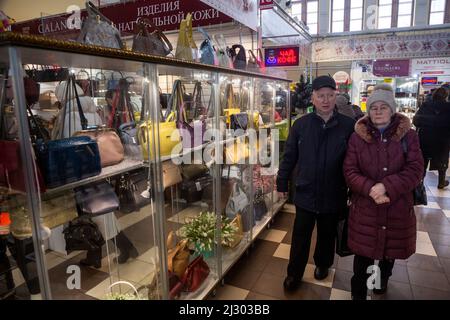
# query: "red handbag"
11,174
197,271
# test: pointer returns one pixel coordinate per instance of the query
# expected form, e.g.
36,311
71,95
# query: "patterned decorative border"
383,47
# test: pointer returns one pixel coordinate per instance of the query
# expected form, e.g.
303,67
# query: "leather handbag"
183,49
195,274
132,190
98,30
155,43
96,199
239,234
192,190
237,202
239,121
207,53
226,188
223,52
193,171
178,257
68,160
109,145
171,174
128,135
122,108
255,64
83,234
259,206
419,192
238,57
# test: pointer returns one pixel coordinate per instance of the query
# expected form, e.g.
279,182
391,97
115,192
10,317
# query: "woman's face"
380,114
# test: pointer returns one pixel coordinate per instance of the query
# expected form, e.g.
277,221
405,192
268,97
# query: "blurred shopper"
345,107
316,145
433,123
382,167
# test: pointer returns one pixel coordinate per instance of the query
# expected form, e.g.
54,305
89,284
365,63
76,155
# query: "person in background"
432,121
316,146
345,107
382,167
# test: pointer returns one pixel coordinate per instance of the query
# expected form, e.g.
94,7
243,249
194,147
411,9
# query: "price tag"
198,185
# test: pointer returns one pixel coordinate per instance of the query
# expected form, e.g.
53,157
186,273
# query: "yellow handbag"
178,256
239,235
230,104
169,137
184,50
190,37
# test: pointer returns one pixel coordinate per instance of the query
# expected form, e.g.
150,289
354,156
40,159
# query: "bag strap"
83,120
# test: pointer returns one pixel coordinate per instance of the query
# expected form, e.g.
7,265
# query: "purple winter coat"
387,230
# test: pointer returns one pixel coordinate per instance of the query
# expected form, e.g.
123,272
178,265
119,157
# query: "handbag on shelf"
192,190
259,206
255,64
98,30
239,234
184,50
229,103
223,52
207,53
193,171
155,43
128,135
178,257
171,174
96,199
122,108
132,190
89,86
191,132
237,202
239,121
83,234
190,37
109,145
238,57
226,188
195,274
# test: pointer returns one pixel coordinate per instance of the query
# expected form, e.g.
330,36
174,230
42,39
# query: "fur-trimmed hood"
399,127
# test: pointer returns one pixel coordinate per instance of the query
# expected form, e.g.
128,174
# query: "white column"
421,12
324,16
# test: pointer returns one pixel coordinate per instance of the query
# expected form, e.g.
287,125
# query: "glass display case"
125,175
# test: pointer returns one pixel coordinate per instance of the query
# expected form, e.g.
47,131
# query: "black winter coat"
433,123
318,150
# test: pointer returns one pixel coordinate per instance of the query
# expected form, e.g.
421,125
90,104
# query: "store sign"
431,66
165,15
341,77
429,81
244,11
391,68
266,4
282,57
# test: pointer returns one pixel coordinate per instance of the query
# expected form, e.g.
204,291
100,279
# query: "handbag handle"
127,283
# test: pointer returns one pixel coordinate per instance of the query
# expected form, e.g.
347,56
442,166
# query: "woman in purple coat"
382,167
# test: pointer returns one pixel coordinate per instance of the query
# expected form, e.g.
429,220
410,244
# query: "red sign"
282,57
164,15
429,81
266,4
391,68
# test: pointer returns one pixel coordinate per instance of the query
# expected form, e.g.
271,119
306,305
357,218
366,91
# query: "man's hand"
377,190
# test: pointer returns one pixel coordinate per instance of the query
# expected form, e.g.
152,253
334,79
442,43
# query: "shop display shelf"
126,165
232,255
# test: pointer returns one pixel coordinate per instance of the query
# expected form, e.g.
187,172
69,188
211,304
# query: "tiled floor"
425,275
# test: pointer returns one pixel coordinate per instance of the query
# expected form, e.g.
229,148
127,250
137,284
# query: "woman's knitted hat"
385,93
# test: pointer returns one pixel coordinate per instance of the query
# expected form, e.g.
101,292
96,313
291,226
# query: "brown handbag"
178,257
155,43
239,235
109,145
171,174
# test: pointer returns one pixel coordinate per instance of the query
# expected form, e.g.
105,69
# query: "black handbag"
83,234
341,237
259,206
131,189
239,58
192,190
239,121
419,192
96,199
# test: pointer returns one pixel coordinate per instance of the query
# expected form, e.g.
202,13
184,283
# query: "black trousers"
301,241
360,275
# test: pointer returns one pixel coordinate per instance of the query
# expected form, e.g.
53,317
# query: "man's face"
324,100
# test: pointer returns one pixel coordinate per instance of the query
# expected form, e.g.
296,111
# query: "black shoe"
320,273
127,254
383,287
291,283
91,263
443,185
